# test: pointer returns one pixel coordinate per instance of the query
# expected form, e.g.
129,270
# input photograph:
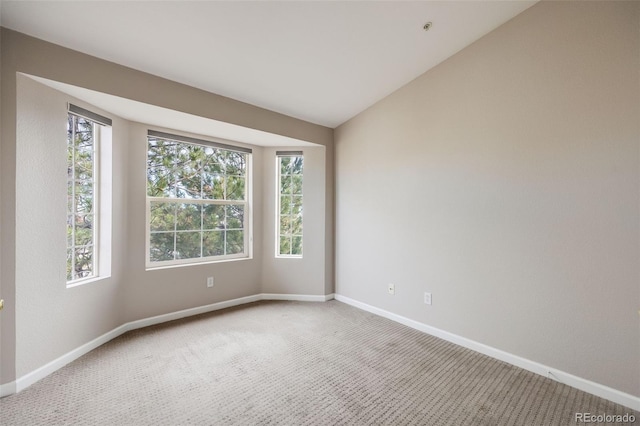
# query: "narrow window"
82,238
83,213
289,213
197,200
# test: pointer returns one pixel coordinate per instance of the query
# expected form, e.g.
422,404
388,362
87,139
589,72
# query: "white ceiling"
322,61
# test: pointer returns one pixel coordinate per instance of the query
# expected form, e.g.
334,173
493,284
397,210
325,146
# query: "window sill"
207,262
79,283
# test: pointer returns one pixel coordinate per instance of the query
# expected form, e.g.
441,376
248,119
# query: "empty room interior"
325,212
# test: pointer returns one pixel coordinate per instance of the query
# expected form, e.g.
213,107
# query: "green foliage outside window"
290,175
81,193
197,199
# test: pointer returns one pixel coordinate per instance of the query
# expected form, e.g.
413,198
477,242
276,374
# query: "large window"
83,214
289,218
197,200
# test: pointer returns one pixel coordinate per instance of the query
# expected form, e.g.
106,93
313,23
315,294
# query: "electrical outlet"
391,288
427,298
209,281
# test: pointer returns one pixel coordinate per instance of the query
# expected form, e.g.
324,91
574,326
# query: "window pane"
235,188
84,133
69,264
211,167
296,165
160,182
70,161
160,168
212,176
235,164
235,216
83,145
285,225
213,243
189,171
83,262
161,246
188,217
296,205
160,152
213,217
83,196
83,230
187,245
296,185
296,245
285,184
285,205
285,244
213,187
235,242
162,216
285,163
70,203
196,154
189,185
296,225
70,230
84,164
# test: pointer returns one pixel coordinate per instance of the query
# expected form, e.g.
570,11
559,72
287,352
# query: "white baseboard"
297,297
40,373
585,385
191,311
7,389
32,377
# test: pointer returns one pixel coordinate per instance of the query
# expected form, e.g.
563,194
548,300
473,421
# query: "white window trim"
248,211
279,155
103,202
96,132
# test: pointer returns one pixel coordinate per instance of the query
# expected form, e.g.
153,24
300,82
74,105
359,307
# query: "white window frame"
278,233
248,219
101,196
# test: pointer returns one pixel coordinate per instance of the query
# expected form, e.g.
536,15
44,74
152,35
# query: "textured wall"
506,182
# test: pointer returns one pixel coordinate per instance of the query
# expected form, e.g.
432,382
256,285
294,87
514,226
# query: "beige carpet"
293,363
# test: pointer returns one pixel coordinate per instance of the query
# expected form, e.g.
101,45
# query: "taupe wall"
158,291
37,323
66,318
506,182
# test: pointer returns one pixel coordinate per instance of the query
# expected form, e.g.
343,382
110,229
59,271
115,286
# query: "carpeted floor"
293,363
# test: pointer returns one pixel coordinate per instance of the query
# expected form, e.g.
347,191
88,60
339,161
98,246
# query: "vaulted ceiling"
320,61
